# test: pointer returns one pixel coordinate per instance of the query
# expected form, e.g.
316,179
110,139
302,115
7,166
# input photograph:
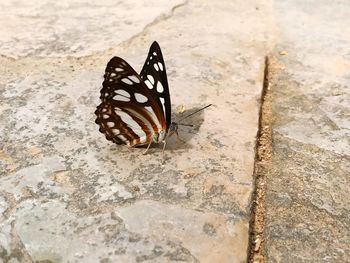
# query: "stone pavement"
307,197
69,195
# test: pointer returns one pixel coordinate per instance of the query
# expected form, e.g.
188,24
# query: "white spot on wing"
140,98
122,137
115,131
154,54
148,84
110,124
163,104
122,93
134,79
127,81
119,69
160,87
105,116
160,65
113,74
156,67
151,79
121,98
148,108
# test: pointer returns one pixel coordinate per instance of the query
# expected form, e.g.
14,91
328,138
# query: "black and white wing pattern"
154,75
131,112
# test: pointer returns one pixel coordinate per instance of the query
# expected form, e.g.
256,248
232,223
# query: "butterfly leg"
149,145
164,144
163,154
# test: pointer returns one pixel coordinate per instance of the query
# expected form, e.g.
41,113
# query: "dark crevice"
261,169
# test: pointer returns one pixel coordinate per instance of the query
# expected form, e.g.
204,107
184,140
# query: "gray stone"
307,202
70,195
78,28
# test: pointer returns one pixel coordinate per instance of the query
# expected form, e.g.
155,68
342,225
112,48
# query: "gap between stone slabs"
262,166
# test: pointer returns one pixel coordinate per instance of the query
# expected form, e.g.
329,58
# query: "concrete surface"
74,28
307,197
69,195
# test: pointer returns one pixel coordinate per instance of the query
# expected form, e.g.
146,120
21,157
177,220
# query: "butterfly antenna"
194,113
183,124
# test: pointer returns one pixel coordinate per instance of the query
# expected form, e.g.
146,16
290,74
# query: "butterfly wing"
153,74
129,112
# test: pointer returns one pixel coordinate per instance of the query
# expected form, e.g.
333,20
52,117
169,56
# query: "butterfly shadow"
186,133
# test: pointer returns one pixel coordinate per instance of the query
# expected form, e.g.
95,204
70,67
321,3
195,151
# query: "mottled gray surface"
67,194
308,192
74,28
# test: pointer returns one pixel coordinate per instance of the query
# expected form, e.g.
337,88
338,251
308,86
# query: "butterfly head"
172,128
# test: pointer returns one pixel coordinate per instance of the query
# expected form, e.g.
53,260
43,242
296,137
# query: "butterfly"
135,108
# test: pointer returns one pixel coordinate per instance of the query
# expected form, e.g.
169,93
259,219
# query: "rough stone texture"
67,194
73,28
307,198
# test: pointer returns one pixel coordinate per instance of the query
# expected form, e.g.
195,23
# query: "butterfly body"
135,109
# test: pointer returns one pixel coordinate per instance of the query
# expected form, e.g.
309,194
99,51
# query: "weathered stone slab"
68,195
73,28
307,197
